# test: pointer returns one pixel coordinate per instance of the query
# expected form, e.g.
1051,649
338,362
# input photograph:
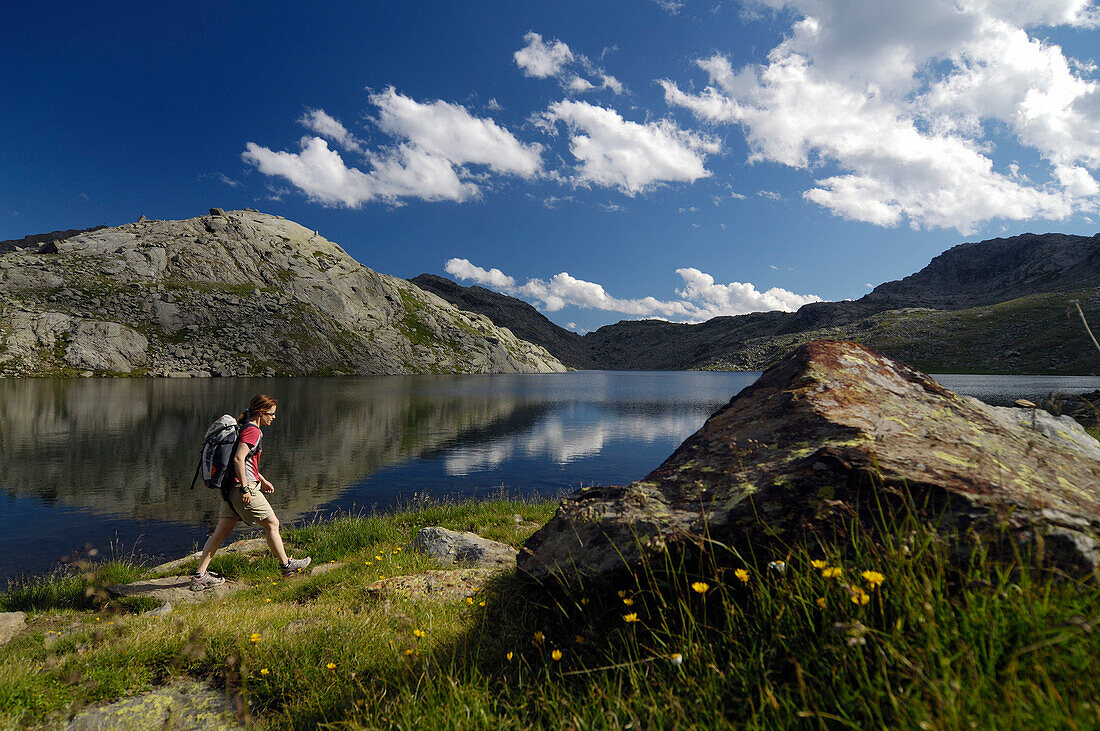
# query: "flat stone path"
10,625
175,590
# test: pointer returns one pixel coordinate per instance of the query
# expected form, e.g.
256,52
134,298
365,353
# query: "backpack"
216,454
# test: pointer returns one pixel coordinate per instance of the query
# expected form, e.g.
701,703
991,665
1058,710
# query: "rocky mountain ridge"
237,293
997,306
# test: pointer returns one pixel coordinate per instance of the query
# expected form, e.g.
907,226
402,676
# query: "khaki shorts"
257,510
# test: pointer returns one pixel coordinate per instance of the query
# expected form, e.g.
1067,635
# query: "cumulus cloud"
541,60
463,269
450,132
434,144
319,122
903,113
616,153
701,298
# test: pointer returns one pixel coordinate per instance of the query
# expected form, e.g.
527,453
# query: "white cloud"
435,142
610,82
670,6
452,133
700,297
463,269
633,157
902,113
736,298
542,60
319,122
579,84
222,178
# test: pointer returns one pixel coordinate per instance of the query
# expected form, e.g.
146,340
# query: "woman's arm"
239,458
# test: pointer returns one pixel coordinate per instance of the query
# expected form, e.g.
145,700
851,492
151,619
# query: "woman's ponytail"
260,402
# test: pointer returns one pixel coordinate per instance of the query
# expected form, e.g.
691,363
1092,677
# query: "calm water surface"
109,462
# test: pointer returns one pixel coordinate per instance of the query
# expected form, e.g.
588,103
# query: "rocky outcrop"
232,293
832,432
44,243
440,586
184,704
465,548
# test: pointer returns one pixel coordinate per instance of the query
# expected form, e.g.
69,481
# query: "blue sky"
602,160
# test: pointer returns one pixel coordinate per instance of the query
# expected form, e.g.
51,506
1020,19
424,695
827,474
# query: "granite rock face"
231,293
837,430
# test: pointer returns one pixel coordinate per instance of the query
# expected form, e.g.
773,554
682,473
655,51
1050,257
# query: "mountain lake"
107,463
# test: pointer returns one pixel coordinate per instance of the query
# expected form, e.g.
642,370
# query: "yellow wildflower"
700,586
268,599
509,656
873,578
419,633
469,600
255,638
820,602
743,575
632,617
539,637
265,671
410,651
628,602
366,563
481,604
819,563
831,572
860,597
556,655
331,666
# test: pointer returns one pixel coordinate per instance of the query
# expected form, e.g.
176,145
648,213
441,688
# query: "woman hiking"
246,496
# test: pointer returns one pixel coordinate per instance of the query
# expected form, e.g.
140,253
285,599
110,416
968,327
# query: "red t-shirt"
251,435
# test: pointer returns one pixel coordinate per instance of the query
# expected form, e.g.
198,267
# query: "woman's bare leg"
274,539
221,532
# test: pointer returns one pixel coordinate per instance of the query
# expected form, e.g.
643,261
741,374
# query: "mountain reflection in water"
110,461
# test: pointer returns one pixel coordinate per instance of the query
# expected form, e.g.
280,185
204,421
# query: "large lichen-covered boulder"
837,430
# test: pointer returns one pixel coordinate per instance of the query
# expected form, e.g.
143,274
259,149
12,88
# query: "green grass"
936,644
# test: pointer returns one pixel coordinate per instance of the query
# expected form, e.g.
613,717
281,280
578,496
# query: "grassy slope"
1037,334
933,645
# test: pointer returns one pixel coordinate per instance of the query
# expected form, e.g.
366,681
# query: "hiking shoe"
207,580
294,565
